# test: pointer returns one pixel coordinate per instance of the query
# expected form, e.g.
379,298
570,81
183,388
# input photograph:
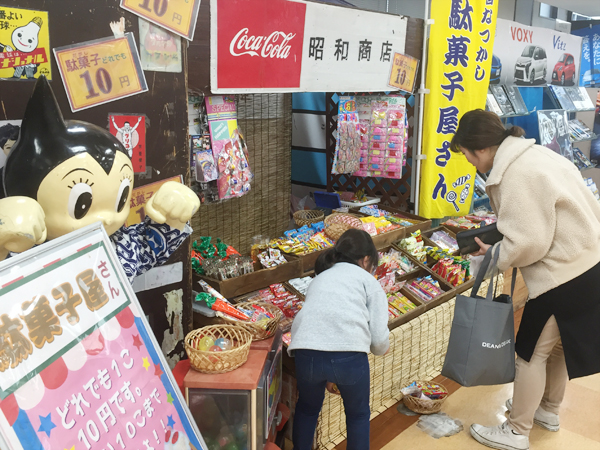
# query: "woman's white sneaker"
543,418
501,437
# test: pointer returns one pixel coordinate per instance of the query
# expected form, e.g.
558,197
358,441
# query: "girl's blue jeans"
350,372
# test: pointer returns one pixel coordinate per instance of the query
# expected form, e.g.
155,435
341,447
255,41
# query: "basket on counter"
425,406
306,217
257,331
338,223
207,361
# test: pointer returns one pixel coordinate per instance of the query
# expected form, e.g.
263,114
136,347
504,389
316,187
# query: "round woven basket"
350,220
425,406
258,333
306,217
336,230
223,361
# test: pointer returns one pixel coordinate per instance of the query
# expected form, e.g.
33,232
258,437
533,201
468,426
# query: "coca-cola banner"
298,46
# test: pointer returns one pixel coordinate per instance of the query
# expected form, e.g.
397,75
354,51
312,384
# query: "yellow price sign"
403,74
178,16
100,71
139,198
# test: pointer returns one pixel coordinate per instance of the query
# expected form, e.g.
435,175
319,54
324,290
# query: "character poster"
24,44
160,50
130,129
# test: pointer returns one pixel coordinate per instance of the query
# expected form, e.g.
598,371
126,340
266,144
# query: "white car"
531,65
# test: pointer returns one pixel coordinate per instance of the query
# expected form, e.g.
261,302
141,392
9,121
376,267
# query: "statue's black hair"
47,140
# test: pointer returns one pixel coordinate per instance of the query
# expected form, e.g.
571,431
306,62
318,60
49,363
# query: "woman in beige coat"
551,226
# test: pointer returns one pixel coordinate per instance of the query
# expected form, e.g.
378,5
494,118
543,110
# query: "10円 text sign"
178,16
100,71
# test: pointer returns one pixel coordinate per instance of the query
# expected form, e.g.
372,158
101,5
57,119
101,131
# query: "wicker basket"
258,333
425,406
218,362
306,217
350,220
336,230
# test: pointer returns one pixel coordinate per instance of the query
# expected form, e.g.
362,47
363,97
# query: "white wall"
506,9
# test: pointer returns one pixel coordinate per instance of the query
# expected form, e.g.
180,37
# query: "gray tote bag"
481,350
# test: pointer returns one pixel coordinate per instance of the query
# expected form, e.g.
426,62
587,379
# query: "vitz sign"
295,46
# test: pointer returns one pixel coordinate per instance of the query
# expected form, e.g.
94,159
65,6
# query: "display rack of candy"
218,260
424,288
348,143
301,284
462,222
304,240
414,246
399,305
378,225
392,263
444,240
276,294
454,271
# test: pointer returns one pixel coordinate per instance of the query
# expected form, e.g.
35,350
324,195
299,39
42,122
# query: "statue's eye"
80,200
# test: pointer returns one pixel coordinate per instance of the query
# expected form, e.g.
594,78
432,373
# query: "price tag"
404,72
178,16
100,71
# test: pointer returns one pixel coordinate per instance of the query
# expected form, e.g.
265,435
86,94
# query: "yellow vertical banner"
461,41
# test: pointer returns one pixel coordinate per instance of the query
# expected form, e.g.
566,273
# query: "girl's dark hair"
47,140
351,247
479,129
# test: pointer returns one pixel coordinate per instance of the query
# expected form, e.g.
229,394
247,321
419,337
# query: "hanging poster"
178,16
459,62
100,71
24,44
296,46
80,366
160,50
533,56
590,56
130,129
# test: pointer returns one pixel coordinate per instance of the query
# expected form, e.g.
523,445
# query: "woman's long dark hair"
351,247
479,129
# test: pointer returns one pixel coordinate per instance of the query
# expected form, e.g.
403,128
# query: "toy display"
63,175
228,147
347,146
383,132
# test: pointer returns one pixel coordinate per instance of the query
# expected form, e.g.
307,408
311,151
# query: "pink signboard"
79,366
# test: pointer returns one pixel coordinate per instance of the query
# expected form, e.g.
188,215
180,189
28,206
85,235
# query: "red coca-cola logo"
273,46
259,43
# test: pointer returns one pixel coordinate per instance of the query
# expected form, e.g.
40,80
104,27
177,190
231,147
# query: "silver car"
531,65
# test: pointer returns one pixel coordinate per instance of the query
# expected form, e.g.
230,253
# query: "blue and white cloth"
145,245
